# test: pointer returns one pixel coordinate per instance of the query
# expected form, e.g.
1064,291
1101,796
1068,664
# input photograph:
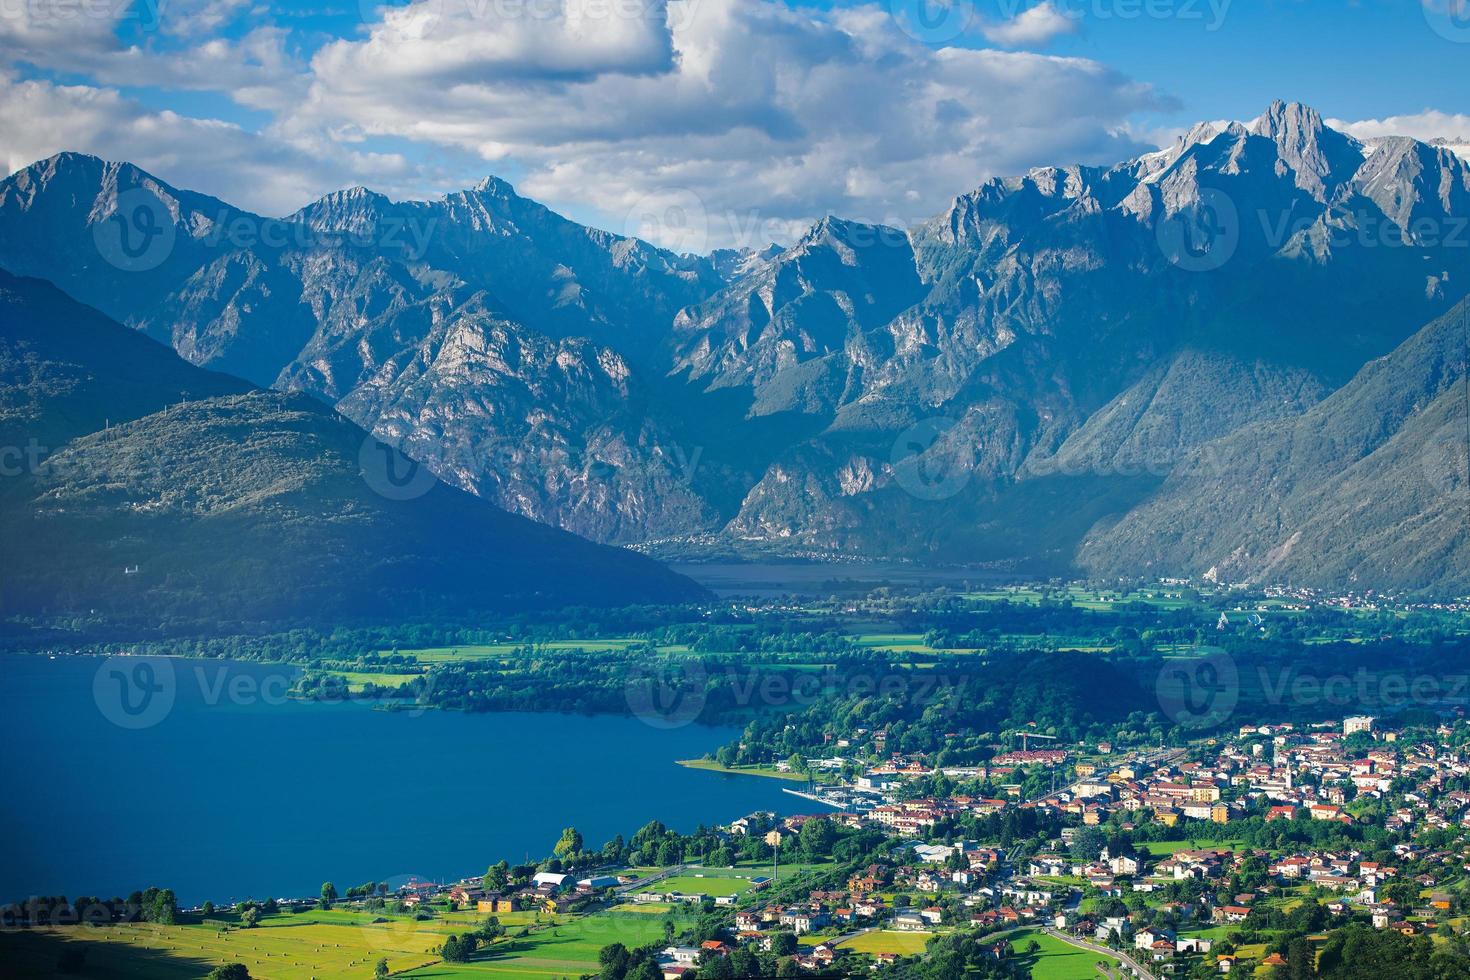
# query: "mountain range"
158,494
1045,377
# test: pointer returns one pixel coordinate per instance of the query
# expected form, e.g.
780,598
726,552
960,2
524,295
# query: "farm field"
1056,960
889,941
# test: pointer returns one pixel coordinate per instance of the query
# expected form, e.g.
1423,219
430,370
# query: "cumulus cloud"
86,39
769,116
1427,125
1035,27
266,175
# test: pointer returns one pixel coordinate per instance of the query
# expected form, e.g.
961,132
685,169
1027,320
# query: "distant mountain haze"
1028,379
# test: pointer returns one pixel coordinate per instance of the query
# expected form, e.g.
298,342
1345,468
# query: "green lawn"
712,885
1056,960
769,771
566,950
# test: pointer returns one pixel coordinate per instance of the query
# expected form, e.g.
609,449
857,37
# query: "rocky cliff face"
985,386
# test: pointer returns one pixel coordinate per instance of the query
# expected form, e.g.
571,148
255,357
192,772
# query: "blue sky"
757,115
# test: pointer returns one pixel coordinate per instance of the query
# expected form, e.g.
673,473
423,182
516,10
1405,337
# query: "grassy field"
566,950
712,885
711,765
1056,960
887,941
490,651
356,680
325,944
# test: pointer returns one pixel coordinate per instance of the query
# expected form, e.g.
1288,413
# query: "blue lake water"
211,783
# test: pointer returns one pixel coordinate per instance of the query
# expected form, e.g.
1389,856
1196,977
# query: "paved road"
1127,958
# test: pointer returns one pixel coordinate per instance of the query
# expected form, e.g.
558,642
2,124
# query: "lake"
210,782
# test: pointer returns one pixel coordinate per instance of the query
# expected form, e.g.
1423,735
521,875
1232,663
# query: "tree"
329,894
783,943
497,876
381,969
230,971
250,918
570,843
208,908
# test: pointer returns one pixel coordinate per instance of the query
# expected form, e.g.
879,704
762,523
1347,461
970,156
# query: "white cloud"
770,116
259,173
82,39
1427,125
1035,27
